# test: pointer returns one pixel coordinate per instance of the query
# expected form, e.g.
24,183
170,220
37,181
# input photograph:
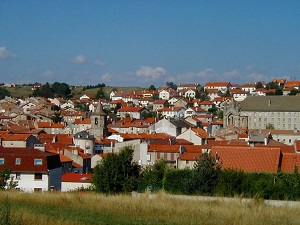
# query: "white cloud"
99,63
4,53
232,74
249,67
207,74
106,77
150,72
48,74
254,77
79,59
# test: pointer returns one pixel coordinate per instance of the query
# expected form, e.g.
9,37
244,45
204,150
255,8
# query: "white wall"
72,186
27,183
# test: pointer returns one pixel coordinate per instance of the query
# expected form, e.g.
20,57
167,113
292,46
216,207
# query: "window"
38,176
38,162
2,161
18,161
37,189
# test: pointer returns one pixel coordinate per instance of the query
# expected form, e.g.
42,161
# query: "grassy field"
26,91
91,208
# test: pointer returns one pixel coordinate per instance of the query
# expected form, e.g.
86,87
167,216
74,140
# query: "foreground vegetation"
119,174
91,208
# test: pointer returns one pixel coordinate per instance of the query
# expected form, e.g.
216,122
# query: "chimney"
266,141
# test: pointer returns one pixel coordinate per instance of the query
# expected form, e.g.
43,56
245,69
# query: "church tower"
98,122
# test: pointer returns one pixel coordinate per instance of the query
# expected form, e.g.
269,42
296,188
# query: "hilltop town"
54,142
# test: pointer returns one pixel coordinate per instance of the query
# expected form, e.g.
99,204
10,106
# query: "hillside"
26,91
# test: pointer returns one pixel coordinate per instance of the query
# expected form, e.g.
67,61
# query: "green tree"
259,85
5,183
45,91
61,89
152,87
100,93
171,85
57,117
205,174
117,173
118,106
272,85
294,92
4,93
152,176
270,126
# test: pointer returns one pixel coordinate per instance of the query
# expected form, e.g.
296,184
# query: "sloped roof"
194,148
216,84
187,85
64,158
180,123
130,109
190,156
290,161
249,159
181,141
271,104
76,177
27,156
201,132
15,137
164,148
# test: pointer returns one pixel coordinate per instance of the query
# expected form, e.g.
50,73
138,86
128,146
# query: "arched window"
96,121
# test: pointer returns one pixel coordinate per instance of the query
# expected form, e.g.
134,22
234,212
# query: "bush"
116,173
177,181
152,176
229,183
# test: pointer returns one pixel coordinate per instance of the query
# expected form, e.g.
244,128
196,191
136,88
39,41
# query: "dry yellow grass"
77,208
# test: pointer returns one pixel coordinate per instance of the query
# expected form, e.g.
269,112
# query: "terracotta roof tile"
164,148
290,161
76,177
190,156
27,156
249,159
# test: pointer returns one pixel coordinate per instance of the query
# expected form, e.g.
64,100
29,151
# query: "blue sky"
143,42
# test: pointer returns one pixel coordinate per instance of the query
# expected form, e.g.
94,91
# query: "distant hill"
26,91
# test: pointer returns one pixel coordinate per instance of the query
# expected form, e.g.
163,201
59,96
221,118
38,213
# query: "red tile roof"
164,148
15,137
190,156
27,156
290,161
216,84
194,148
64,158
183,142
82,121
76,177
130,109
249,159
201,132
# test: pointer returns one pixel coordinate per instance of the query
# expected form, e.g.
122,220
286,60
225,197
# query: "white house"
75,181
33,169
172,112
164,94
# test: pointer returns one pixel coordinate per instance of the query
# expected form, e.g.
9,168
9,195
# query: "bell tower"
98,122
